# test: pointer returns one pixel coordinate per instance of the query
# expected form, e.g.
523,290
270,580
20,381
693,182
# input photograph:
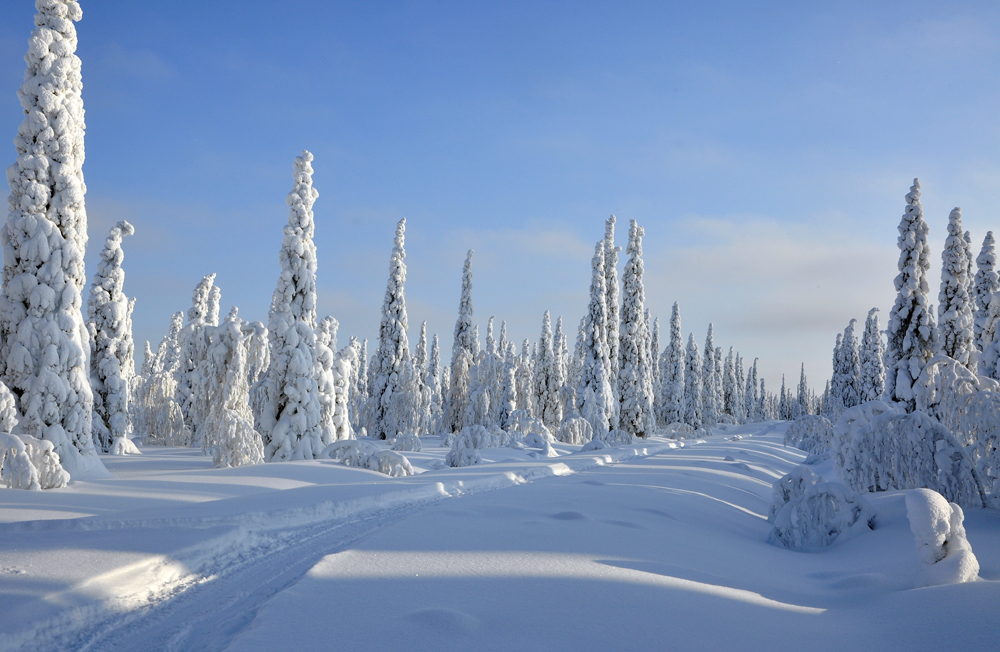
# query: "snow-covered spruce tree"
326,345
156,400
462,352
784,404
391,403
692,385
507,391
719,395
729,397
193,349
525,379
111,347
833,404
649,370
802,396
432,379
611,301
751,397
850,368
672,372
911,329
43,337
424,391
654,355
290,422
763,406
594,397
955,310
359,403
871,352
546,390
740,390
635,401
561,349
575,367
710,416
987,283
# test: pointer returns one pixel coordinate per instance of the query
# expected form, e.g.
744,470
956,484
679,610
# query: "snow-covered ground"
654,546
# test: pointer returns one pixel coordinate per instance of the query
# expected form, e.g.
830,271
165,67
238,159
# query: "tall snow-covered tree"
111,347
719,394
462,352
802,396
635,401
433,380
871,352
692,385
955,310
290,420
987,283
594,397
784,404
611,300
751,397
193,340
740,390
850,368
833,404
672,372
911,330
546,384
729,394
43,337
709,415
575,369
391,403
525,379
561,350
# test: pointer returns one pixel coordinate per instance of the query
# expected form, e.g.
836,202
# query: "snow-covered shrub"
407,443
810,433
366,455
521,423
678,430
594,444
51,474
462,455
945,554
8,410
616,438
898,450
535,440
575,430
789,487
124,446
825,513
943,388
979,430
16,469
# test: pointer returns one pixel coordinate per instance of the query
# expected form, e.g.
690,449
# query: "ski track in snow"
204,596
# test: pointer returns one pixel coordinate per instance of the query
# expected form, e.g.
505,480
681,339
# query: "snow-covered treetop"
198,313
464,334
295,295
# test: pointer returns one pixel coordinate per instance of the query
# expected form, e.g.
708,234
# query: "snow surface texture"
290,420
810,433
43,337
824,513
112,360
942,547
879,448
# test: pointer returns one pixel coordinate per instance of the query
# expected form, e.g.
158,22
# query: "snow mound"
679,430
366,455
825,513
594,445
575,430
616,438
407,443
790,487
29,463
944,551
810,433
880,448
535,440
123,446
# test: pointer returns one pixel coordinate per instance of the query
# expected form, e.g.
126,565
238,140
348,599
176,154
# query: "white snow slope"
660,545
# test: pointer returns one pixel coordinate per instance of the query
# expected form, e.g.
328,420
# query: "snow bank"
825,513
944,551
810,433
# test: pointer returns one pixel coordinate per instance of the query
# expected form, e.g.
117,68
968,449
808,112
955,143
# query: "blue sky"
765,148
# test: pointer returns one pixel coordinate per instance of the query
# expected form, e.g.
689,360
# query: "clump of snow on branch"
942,547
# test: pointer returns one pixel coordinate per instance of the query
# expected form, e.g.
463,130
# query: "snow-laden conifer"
193,341
525,379
575,368
729,395
850,368
955,310
111,348
911,329
290,421
709,414
332,379
784,404
462,352
594,396
546,391
871,352
802,395
43,337
987,283
391,402
635,401
692,384
672,372
751,398
611,301
740,390
654,353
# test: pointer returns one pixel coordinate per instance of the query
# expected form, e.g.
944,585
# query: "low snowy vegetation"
367,455
942,547
823,514
811,433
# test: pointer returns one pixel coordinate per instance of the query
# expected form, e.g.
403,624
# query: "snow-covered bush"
522,423
124,446
8,410
789,487
594,444
574,429
16,469
535,440
979,430
810,433
888,448
943,388
462,455
407,443
825,513
945,554
616,438
366,455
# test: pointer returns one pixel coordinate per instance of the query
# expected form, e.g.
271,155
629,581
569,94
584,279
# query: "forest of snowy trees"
248,392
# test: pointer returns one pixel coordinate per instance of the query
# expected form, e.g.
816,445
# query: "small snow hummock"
944,551
825,513
407,443
366,455
123,446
